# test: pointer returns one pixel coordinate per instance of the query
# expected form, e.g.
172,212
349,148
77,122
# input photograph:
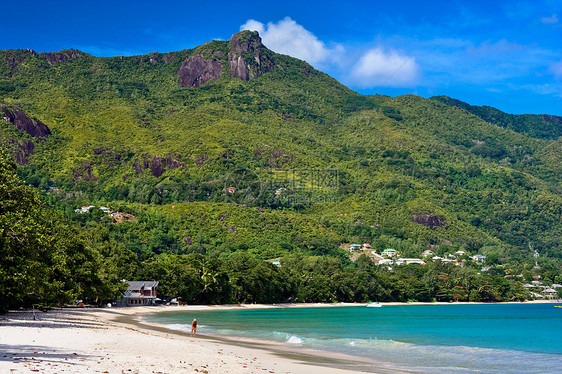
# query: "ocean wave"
445,359
179,327
425,358
294,340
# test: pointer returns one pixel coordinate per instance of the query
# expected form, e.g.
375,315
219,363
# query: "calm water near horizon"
489,338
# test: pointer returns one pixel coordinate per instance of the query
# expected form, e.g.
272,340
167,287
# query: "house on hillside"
478,258
389,252
84,209
427,252
366,246
140,293
354,247
275,261
409,261
550,293
385,262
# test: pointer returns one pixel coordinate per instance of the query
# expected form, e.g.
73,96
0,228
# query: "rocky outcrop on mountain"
84,172
15,57
247,58
55,58
22,147
24,123
428,220
157,164
20,150
273,156
195,71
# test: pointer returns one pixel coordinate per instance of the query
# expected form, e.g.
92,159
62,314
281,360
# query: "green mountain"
229,147
537,126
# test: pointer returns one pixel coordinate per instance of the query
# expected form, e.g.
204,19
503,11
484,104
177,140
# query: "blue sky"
506,54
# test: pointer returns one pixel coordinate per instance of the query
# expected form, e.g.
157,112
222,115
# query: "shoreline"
116,340
322,360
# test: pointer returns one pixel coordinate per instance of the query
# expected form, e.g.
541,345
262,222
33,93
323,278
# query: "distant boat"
374,305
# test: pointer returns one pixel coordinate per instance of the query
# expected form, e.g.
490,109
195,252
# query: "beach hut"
140,293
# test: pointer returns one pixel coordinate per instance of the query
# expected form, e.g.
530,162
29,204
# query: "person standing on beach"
193,327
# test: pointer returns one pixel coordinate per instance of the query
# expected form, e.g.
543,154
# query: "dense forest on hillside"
215,160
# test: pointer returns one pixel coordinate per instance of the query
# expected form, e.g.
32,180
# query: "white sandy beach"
110,341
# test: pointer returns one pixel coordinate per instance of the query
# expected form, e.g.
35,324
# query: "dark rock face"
84,173
23,148
273,156
550,118
26,148
196,71
428,220
243,45
157,164
22,122
201,160
167,58
20,150
55,58
16,57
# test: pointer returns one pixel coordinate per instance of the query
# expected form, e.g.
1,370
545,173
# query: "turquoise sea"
486,338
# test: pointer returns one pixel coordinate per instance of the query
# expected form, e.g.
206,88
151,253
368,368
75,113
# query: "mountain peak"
248,57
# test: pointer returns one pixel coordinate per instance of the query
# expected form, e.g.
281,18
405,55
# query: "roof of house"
389,250
136,286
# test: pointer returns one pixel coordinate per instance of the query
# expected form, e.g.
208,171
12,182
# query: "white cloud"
290,38
380,68
550,20
556,69
489,49
374,67
253,25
